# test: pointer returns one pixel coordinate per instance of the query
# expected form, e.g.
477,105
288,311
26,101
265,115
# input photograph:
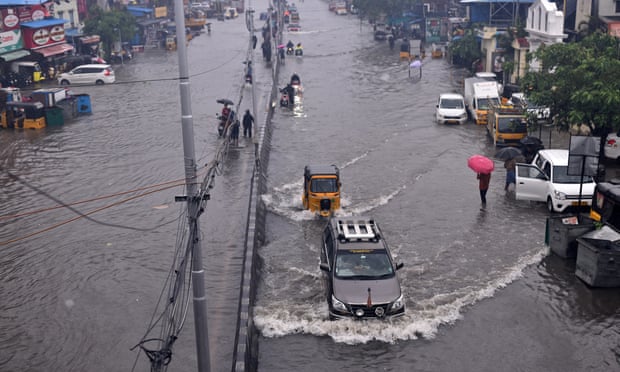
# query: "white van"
450,109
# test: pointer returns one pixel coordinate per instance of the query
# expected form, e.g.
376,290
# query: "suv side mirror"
324,267
399,265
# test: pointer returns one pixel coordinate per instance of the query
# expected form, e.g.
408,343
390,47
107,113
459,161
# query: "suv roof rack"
357,230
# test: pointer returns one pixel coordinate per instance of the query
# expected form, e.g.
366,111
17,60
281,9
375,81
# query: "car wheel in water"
99,82
550,205
64,82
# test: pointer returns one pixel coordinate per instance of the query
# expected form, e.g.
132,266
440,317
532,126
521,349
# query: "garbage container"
563,231
53,116
598,258
83,104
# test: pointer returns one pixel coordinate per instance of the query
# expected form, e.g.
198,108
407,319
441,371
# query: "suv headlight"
338,305
398,304
559,195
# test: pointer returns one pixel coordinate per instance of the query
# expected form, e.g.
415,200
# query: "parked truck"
506,124
479,95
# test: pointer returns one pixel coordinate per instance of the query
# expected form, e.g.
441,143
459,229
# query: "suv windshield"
363,264
324,185
560,175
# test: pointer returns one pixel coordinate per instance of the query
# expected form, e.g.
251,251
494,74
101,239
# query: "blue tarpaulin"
22,2
138,11
44,23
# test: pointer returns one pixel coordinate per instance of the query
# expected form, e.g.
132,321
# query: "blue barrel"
83,104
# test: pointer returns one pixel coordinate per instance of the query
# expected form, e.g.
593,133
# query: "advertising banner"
45,36
10,41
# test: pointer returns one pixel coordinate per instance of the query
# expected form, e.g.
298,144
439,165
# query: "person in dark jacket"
483,184
248,119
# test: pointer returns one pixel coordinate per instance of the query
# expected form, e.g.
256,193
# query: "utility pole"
193,202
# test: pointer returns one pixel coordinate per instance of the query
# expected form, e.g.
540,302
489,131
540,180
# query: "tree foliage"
110,26
466,50
579,82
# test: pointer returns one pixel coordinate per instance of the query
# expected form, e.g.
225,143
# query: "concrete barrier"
245,354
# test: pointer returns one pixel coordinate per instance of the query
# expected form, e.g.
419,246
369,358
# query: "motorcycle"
299,52
289,51
284,100
248,79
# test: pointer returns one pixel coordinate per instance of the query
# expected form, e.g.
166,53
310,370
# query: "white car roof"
94,65
555,156
451,95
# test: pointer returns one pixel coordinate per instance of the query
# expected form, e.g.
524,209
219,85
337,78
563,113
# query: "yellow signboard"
161,12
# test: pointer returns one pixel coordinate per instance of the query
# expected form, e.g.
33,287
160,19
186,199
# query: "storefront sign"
10,20
10,41
31,13
43,36
161,12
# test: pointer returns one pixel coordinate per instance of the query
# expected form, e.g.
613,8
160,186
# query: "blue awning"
22,2
138,11
44,23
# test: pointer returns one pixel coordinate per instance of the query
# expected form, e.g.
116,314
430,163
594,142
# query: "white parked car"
95,74
547,180
612,146
450,109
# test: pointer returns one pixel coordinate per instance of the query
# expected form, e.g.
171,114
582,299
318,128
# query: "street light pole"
120,41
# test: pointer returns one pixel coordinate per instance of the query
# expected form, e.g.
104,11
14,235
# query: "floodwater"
79,284
482,292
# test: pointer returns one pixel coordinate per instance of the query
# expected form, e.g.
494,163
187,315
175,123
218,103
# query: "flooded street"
481,291
79,284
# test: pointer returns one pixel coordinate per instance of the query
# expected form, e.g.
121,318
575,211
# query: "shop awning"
92,39
54,49
12,56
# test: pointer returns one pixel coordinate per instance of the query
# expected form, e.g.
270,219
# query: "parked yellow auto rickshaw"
23,115
321,189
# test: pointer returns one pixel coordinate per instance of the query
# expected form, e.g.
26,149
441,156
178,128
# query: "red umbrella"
480,164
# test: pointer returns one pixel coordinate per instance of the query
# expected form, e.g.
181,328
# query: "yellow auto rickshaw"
321,189
23,115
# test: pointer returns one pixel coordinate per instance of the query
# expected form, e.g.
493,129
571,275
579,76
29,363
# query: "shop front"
46,40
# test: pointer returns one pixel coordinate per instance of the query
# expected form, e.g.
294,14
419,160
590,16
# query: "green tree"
579,82
466,50
110,26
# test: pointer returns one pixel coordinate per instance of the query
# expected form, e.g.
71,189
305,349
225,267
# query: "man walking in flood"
248,119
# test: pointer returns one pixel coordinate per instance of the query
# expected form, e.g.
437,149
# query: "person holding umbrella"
510,155
483,167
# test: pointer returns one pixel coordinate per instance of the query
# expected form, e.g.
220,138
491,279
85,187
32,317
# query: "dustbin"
563,231
53,116
83,104
598,258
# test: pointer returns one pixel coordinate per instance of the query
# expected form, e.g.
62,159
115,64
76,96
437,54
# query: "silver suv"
359,271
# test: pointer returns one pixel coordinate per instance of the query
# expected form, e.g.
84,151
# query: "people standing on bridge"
234,133
483,184
248,119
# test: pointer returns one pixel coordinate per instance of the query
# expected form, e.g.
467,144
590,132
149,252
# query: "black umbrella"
508,153
531,141
224,101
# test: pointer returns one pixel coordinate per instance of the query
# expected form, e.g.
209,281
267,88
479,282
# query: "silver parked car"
359,271
96,74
